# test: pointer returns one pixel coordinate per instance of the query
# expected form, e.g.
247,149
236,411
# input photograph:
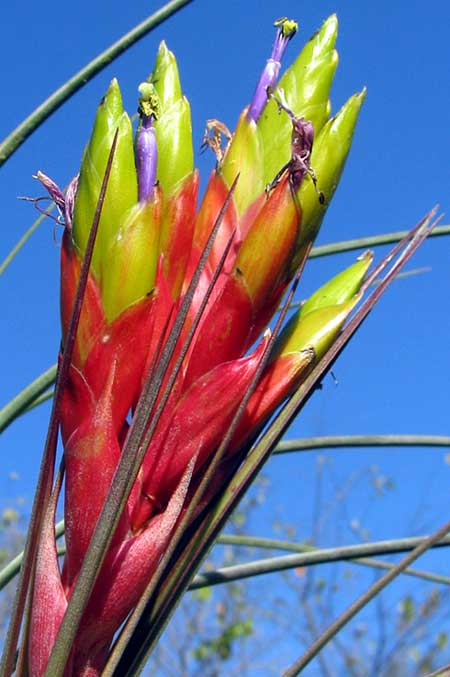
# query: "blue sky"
395,375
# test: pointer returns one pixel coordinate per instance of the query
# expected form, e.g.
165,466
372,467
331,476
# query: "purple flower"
146,145
286,30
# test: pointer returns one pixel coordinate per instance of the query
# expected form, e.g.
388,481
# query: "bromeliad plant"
164,384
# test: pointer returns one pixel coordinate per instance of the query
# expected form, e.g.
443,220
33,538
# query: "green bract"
121,192
173,127
328,158
317,322
246,158
316,331
340,288
134,251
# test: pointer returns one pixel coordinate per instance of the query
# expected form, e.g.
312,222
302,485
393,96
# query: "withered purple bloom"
64,203
70,200
302,141
53,190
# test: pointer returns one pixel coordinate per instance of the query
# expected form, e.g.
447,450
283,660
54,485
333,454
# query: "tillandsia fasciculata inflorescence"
275,176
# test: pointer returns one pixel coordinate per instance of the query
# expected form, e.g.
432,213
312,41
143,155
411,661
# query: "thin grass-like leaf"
41,399
396,249
138,438
208,531
48,520
364,599
16,138
46,473
138,646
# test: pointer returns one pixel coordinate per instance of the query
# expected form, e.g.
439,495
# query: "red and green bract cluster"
149,243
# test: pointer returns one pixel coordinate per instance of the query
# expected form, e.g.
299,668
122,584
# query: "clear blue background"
395,375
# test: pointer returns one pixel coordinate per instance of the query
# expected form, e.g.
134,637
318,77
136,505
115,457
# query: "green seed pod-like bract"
328,157
245,157
173,126
341,288
317,330
133,254
121,193
317,322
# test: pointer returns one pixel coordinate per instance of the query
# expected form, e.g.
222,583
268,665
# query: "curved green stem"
336,441
14,140
39,400
315,556
308,555
27,398
43,494
366,548
360,603
367,242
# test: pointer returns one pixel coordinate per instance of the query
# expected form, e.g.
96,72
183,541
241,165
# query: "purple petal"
53,190
146,158
70,201
268,79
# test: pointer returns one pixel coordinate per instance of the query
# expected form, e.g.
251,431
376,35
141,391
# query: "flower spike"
164,365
